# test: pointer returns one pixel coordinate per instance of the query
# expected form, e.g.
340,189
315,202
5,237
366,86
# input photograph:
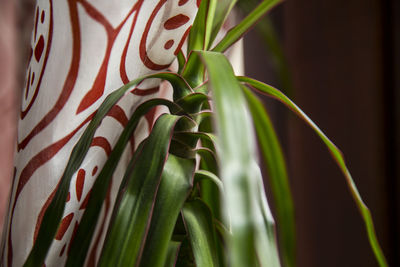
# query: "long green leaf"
176,183
236,154
54,212
87,225
275,163
200,34
221,13
131,218
248,22
209,191
336,154
199,224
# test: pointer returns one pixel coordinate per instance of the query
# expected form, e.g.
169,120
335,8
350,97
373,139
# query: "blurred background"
340,62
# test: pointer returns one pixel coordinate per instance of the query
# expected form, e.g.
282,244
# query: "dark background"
344,61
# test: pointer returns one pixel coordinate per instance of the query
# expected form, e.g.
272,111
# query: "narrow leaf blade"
247,23
87,225
128,229
221,13
199,224
236,154
275,163
53,214
337,156
200,34
176,183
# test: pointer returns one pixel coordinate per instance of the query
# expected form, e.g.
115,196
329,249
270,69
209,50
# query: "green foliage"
193,193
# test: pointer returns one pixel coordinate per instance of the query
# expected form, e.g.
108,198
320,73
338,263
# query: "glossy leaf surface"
198,221
132,215
175,186
236,155
54,212
87,225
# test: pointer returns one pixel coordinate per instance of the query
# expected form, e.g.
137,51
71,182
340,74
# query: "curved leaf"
275,163
236,154
266,30
199,224
131,218
192,103
200,34
209,176
87,225
336,154
53,214
176,183
202,116
221,13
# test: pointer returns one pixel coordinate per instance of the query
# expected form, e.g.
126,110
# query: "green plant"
168,210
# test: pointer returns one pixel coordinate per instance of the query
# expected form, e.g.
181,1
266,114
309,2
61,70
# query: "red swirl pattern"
81,51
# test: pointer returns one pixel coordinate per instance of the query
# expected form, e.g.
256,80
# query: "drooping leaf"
275,163
87,225
54,212
236,155
201,175
248,22
199,224
176,182
209,159
192,103
132,216
336,154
